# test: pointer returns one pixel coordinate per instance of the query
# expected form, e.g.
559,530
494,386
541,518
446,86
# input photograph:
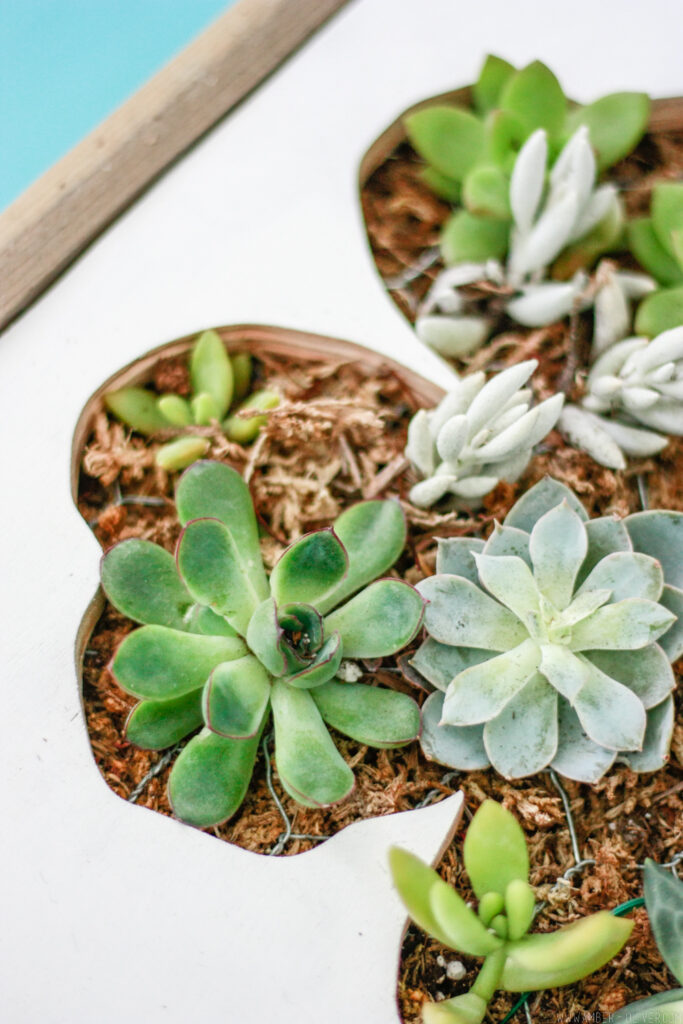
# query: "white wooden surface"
110,912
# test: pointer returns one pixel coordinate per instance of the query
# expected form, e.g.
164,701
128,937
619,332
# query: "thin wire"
288,834
155,770
580,862
426,260
433,794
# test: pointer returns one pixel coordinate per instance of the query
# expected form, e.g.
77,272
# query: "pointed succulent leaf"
310,767
138,409
452,438
481,692
539,499
211,490
608,440
510,580
520,903
485,192
456,746
540,304
505,133
547,237
205,409
558,546
492,904
672,640
481,622
563,670
211,371
455,556
495,850
265,637
626,625
243,429
616,123
235,698
440,663
449,138
522,739
627,574
659,533
141,580
468,1008
507,541
324,666
527,180
651,254
241,374
611,714
380,620
176,410
486,91
202,620
309,569
646,672
581,607
606,536
664,902
498,390
210,565
535,96
160,663
566,955
414,882
156,724
657,741
453,336
467,238
420,447
525,432
373,534
210,778
181,453
371,715
661,311
578,757
665,1008
441,185
465,931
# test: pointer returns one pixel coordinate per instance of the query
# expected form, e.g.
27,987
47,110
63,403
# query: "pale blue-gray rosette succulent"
550,644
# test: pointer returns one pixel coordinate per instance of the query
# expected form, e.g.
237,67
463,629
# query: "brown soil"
626,817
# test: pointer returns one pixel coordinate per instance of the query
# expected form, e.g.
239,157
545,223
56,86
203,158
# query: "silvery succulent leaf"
541,304
574,166
612,315
595,209
526,182
585,431
546,239
453,336
420,447
443,294
566,618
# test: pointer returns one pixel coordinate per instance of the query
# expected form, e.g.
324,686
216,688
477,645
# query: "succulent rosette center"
544,644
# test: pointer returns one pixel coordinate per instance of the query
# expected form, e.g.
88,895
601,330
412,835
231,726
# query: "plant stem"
488,978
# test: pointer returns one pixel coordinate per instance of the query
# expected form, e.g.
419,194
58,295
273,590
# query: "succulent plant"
634,399
218,381
543,642
223,646
664,902
657,243
479,434
497,863
568,223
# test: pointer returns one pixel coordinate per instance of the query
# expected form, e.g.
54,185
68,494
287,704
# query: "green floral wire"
619,911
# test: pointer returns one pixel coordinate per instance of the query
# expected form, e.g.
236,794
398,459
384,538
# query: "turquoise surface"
66,64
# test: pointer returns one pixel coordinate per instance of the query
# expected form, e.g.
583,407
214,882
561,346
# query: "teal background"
66,64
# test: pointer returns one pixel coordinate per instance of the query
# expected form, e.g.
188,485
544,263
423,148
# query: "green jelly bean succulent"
497,863
657,243
551,642
470,153
224,647
218,381
664,903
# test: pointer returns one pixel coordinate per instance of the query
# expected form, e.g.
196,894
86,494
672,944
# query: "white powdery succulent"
634,400
480,433
546,219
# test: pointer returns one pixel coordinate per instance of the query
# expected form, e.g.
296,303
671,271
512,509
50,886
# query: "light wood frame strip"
55,219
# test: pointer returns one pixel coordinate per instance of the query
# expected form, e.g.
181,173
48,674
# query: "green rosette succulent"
657,243
224,647
497,863
219,382
550,643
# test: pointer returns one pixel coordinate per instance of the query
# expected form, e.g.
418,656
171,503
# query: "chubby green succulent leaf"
659,534
460,747
667,214
491,905
493,76
159,663
539,499
535,96
495,850
441,185
522,739
205,409
486,192
455,556
211,372
660,311
505,133
465,931
520,903
309,569
468,1008
416,883
380,620
451,139
235,697
142,581
242,365
466,238
203,620
664,902
616,124
156,724
374,535
310,767
481,621
651,254
210,778
264,637
371,715
176,410
323,667
181,453
243,429
209,563
664,1008
211,490
566,955
138,408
